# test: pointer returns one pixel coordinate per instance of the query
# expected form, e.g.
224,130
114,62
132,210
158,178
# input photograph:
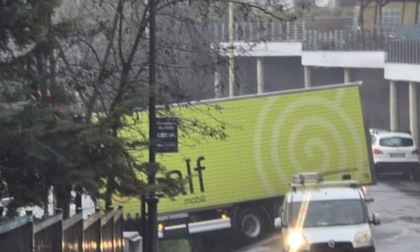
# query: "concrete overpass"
350,50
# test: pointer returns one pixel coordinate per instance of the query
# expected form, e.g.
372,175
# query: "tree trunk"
110,188
361,16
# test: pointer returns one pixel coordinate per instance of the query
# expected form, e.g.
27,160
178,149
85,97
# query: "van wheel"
251,224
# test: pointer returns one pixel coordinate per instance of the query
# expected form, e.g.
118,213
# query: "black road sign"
166,135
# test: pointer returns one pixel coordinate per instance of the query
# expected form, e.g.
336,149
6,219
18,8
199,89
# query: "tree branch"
101,75
120,9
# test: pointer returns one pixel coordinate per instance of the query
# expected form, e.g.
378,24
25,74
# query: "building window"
391,18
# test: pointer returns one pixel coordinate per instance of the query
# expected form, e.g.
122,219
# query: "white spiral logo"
301,138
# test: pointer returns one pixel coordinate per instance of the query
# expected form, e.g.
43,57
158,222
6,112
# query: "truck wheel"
251,224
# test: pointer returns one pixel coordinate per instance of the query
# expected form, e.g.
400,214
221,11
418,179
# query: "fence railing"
47,234
403,51
309,33
98,233
328,23
322,34
313,35
345,40
274,31
17,235
257,32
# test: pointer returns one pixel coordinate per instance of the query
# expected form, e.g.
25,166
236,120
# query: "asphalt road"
397,200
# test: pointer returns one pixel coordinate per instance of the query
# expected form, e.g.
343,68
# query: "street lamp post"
152,199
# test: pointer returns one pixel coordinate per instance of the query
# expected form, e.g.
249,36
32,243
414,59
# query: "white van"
326,216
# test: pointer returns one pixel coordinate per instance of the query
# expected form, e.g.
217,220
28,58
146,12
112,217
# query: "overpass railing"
257,32
403,51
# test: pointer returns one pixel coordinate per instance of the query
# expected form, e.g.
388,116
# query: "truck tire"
250,225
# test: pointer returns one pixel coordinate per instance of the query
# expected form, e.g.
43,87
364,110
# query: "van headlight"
296,240
363,238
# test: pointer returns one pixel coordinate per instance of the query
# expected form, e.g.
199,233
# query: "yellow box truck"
239,182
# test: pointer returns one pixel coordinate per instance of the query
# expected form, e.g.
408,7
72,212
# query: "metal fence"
403,51
17,235
328,23
95,234
112,234
345,40
320,34
274,31
73,233
47,234
92,234
257,32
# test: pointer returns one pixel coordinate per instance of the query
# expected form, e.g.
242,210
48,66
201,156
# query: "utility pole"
231,50
152,199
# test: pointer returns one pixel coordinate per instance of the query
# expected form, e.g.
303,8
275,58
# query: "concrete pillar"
217,84
308,77
347,75
232,76
231,50
260,76
393,105
413,110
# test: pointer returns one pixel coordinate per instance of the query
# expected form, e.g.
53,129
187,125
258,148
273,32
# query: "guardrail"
53,234
403,51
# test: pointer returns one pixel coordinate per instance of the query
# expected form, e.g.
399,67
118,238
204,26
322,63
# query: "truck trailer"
237,180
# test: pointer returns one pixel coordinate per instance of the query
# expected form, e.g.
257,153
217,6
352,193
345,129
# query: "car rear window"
396,142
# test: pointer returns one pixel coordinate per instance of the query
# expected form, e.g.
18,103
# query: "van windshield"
330,213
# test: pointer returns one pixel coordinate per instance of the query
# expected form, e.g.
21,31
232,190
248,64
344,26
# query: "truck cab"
322,215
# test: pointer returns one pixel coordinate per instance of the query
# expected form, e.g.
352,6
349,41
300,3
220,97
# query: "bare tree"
97,55
105,61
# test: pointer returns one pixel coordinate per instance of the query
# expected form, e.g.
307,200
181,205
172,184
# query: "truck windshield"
330,213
